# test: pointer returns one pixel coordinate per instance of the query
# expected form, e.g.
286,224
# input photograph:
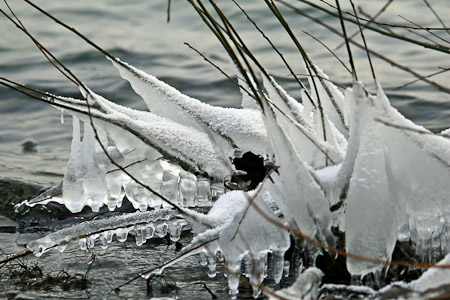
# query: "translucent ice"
370,220
305,287
103,228
73,192
300,198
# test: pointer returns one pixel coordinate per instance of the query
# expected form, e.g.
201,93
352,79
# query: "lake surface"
136,31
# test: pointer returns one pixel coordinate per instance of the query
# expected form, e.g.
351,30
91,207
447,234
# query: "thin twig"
308,63
436,15
443,70
168,10
365,43
323,78
329,50
347,44
15,256
220,70
422,35
439,48
127,166
41,48
370,21
427,30
407,128
277,51
373,52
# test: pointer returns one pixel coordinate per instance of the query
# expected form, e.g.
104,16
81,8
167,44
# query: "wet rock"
14,191
7,225
23,297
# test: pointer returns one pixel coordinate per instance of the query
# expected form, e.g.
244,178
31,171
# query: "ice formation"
433,278
338,165
143,225
305,287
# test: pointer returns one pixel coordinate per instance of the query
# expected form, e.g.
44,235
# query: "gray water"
136,31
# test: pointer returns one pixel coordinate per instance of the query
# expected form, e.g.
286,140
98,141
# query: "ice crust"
338,165
104,229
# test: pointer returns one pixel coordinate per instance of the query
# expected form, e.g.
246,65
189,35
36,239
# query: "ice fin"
301,198
370,219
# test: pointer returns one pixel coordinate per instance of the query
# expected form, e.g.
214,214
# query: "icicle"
121,234
211,266
139,236
174,227
203,198
247,261
114,190
258,274
104,240
61,248
203,258
286,268
72,189
161,230
169,184
234,267
114,178
83,244
188,189
94,181
154,174
149,231
90,242
277,266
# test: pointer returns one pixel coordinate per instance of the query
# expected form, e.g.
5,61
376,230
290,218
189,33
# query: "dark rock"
7,225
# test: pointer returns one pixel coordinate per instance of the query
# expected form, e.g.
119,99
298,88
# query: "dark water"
34,145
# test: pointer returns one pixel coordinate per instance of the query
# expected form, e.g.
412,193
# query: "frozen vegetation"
338,179
395,181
